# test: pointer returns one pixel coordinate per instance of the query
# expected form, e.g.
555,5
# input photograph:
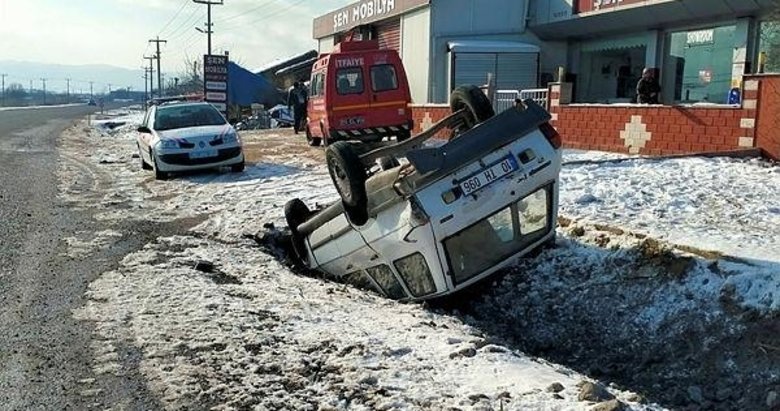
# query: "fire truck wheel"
296,213
348,173
313,141
476,103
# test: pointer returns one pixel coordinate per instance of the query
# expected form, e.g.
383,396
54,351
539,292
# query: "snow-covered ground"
36,107
250,333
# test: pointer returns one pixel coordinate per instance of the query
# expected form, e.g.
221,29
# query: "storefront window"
610,76
769,47
698,65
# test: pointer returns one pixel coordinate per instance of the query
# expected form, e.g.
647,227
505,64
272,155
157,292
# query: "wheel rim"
342,185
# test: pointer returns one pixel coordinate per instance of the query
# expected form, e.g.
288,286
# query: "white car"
450,217
177,137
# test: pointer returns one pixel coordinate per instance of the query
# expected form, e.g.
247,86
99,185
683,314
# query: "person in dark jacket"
647,88
296,100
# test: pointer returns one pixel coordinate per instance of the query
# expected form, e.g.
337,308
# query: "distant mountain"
101,74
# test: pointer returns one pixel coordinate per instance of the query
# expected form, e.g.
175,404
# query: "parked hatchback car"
445,217
185,136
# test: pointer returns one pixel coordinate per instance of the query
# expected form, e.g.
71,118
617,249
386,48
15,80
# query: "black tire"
313,141
238,168
296,213
403,135
144,164
347,173
158,175
473,99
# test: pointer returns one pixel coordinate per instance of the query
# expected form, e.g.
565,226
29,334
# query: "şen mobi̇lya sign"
362,12
215,81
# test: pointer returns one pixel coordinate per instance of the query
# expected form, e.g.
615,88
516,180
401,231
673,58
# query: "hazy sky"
116,32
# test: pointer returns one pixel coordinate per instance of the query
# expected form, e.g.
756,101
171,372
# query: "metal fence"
539,95
505,99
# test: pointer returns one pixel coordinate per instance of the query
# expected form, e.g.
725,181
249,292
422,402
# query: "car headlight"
230,138
165,144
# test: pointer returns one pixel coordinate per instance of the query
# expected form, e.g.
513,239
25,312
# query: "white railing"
539,95
505,99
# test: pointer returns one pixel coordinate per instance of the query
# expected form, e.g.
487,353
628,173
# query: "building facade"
444,43
700,49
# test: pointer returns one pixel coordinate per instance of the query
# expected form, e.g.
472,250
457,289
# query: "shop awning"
485,46
616,43
656,15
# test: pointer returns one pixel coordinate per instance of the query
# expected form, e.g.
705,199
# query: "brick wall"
763,93
426,115
652,130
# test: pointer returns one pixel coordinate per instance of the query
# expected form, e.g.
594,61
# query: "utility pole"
157,41
151,76
31,89
109,89
43,80
146,86
90,89
67,81
3,76
209,24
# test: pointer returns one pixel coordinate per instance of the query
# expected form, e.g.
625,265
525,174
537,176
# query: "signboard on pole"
215,81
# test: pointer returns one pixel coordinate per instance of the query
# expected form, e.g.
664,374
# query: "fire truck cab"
358,92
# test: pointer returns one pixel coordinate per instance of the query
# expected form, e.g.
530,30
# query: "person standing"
647,88
297,100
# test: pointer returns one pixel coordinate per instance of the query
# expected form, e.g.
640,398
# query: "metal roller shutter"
389,34
517,71
511,71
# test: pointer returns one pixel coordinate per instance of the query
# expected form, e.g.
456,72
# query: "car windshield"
169,118
499,236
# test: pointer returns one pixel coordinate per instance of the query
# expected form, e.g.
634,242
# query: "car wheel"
144,164
403,135
158,174
313,141
238,168
475,102
296,213
349,177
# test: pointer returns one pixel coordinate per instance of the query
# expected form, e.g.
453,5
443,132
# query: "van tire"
296,213
475,101
347,173
313,141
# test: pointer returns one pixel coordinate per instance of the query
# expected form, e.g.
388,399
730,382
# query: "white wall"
415,51
325,44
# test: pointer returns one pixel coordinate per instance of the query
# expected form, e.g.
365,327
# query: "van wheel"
475,101
349,177
296,213
313,141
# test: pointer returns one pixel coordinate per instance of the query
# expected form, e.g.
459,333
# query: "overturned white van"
447,216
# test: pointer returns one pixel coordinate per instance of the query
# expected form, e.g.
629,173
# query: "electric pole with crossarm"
157,41
209,24
151,76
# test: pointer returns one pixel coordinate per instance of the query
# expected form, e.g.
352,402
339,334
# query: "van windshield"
349,80
499,236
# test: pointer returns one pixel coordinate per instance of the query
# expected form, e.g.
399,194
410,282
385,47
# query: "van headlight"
166,144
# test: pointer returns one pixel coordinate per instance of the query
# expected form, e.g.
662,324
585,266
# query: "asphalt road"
45,355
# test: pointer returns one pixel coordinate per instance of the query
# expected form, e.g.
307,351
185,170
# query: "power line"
183,5
209,25
178,32
267,16
157,41
244,13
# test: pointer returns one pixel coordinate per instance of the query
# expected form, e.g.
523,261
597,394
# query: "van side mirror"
143,129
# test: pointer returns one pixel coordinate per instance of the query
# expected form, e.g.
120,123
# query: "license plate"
489,175
203,154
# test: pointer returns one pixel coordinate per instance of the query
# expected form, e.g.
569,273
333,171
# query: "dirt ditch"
629,310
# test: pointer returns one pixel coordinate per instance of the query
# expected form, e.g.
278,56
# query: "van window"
383,275
416,274
317,85
360,280
383,78
349,80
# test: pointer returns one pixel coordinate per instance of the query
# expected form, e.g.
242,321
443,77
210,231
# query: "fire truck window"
349,80
383,78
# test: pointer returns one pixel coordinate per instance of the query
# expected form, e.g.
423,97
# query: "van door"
315,111
389,91
347,95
